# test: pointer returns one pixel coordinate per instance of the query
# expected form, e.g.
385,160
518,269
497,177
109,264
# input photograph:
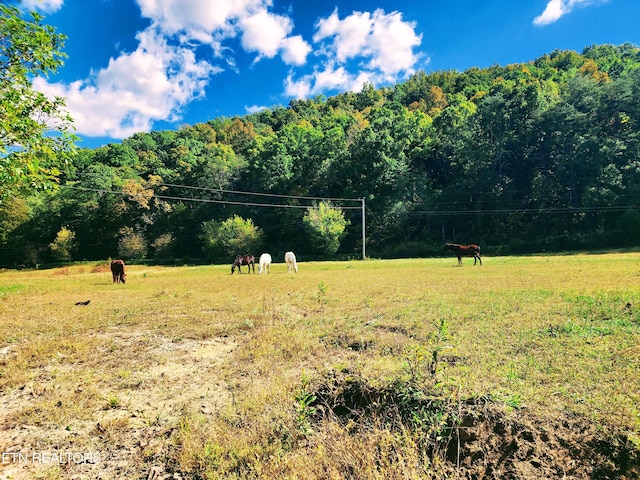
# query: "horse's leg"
459,260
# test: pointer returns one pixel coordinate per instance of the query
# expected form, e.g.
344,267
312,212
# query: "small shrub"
325,225
132,244
305,410
163,245
235,235
63,244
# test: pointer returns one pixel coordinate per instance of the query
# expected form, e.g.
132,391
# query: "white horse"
265,263
290,258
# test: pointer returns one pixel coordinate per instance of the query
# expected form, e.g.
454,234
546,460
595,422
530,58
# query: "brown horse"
117,271
247,260
464,251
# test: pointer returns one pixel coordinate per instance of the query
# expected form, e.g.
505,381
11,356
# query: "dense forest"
531,157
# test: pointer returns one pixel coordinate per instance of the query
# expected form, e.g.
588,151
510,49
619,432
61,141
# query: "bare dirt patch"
129,426
479,438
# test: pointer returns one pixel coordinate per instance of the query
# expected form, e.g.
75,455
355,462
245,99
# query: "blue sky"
141,65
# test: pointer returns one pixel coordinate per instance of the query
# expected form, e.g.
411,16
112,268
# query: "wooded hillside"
539,156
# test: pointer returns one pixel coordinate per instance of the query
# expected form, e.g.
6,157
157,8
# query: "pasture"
523,367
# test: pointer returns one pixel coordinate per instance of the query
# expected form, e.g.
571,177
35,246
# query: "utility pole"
364,247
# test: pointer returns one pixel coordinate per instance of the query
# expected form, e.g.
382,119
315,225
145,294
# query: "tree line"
531,157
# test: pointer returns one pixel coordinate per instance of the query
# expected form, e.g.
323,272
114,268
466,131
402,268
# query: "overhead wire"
522,211
274,195
225,202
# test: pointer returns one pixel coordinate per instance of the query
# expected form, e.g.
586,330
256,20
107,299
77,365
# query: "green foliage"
132,244
326,225
629,223
425,358
517,158
163,245
13,212
34,130
232,236
322,293
63,244
304,407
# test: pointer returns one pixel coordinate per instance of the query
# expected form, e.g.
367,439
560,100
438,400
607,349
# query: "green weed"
304,409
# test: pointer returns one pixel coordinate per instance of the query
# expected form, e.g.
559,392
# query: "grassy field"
524,367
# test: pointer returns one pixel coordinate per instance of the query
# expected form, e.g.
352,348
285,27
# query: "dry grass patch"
379,369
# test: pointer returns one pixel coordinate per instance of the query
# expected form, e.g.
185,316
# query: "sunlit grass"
207,368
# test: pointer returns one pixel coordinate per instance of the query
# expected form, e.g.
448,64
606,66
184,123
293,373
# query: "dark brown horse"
117,271
247,260
464,251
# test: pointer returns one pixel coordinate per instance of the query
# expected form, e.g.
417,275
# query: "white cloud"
152,83
329,78
349,35
193,16
268,35
162,75
391,44
384,39
48,6
298,88
556,9
362,48
263,33
295,50
254,108
213,22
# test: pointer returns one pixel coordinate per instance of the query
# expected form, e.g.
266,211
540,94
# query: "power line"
360,207
524,211
211,200
274,195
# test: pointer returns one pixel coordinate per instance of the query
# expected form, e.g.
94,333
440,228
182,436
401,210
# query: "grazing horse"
464,251
247,260
117,271
290,258
265,263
